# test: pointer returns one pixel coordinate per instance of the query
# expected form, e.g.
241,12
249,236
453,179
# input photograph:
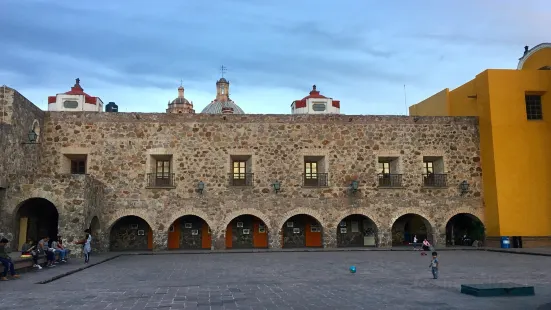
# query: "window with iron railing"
162,175
312,177
239,175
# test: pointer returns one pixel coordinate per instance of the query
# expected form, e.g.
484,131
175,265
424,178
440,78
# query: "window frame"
426,167
534,109
77,165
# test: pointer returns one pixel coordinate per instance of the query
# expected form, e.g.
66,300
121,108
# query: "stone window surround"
398,167
65,160
324,155
151,160
433,154
242,153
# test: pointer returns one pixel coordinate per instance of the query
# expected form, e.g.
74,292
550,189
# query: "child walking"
434,265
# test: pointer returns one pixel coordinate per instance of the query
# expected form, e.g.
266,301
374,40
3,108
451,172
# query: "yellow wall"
515,152
522,152
460,104
436,105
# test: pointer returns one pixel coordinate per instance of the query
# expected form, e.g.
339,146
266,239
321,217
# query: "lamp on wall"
354,186
32,136
464,186
200,187
277,186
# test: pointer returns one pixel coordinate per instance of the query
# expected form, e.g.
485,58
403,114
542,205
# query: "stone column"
329,237
438,236
274,238
384,237
218,239
160,240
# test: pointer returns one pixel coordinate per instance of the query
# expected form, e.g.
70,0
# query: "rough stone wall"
72,195
17,117
120,145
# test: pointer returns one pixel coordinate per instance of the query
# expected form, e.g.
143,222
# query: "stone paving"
301,280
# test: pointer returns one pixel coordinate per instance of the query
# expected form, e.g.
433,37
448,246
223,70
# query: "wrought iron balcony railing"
435,180
390,180
160,180
315,179
241,179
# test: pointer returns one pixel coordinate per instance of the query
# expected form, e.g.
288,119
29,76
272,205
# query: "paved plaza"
285,280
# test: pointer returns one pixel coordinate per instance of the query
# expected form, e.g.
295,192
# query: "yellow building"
514,110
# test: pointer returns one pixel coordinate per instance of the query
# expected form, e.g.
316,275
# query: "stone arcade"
211,181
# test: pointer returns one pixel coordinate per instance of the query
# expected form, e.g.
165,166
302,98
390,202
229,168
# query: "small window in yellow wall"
533,107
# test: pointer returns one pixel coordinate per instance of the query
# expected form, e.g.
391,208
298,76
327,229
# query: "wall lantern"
277,186
200,187
32,136
354,186
464,186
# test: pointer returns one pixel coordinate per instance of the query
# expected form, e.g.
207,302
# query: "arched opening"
35,219
464,229
246,232
356,231
302,231
95,230
408,226
189,232
131,233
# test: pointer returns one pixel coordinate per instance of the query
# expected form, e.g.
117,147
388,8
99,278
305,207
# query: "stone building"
157,181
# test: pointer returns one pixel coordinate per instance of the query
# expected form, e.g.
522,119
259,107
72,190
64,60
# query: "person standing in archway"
86,245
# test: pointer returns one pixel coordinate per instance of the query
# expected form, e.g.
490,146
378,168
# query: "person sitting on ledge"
5,259
50,253
58,246
29,249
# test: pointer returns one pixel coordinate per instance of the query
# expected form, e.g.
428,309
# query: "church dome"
180,104
180,100
216,107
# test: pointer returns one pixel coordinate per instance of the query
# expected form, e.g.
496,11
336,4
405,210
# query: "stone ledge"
160,187
434,187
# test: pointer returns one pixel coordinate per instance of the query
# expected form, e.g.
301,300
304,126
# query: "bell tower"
222,87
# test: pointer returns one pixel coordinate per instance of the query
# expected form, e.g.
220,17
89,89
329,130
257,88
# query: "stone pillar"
438,237
102,242
274,238
329,237
160,240
218,239
384,237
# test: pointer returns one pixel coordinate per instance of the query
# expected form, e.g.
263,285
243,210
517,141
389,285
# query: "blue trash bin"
505,243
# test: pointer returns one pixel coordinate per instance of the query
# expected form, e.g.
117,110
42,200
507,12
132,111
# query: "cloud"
358,51
180,45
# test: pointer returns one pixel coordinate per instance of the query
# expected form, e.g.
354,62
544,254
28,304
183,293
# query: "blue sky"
135,52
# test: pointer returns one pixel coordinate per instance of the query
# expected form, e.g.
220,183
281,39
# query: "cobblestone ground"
384,280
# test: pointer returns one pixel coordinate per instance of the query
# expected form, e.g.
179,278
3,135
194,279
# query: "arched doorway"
301,231
246,232
356,231
189,232
409,225
131,233
464,229
35,219
95,230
